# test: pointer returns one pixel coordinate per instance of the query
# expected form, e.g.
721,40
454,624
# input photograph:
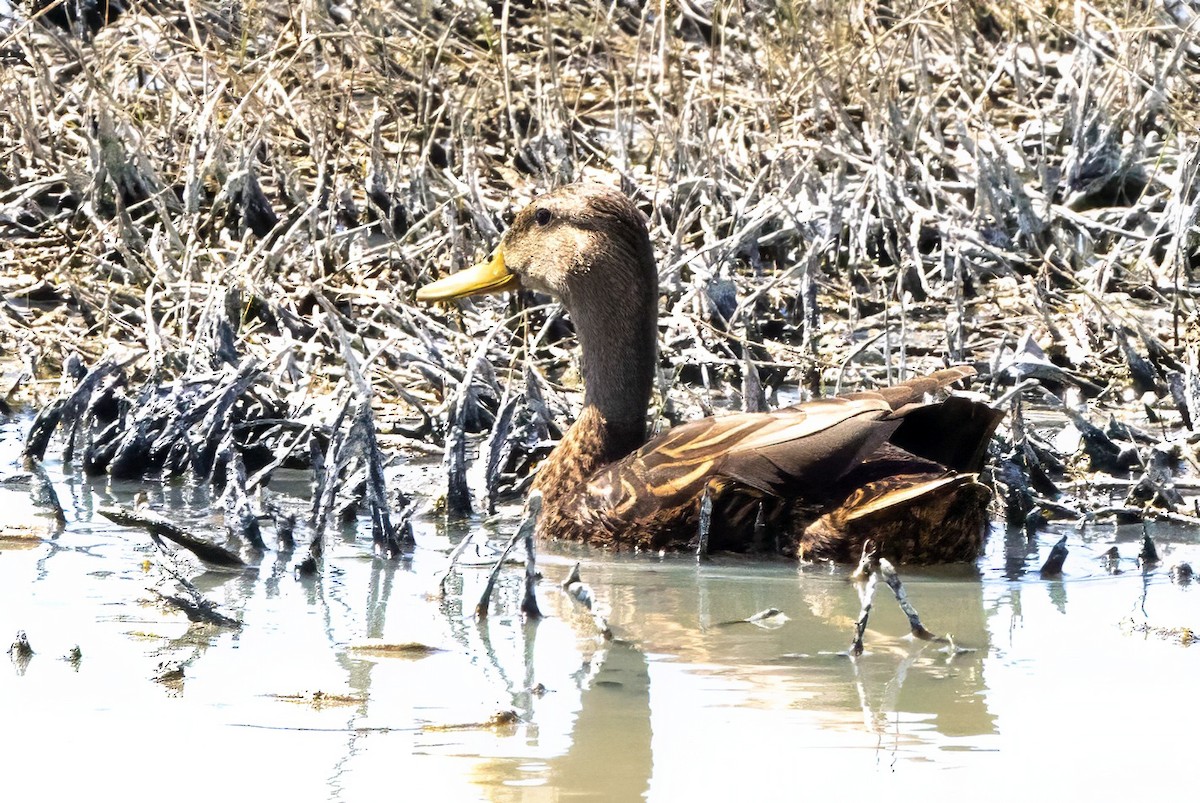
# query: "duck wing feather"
804,449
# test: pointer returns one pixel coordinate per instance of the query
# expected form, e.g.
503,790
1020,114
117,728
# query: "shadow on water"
688,699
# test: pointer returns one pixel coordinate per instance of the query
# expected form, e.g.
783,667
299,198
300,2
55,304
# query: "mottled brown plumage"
814,479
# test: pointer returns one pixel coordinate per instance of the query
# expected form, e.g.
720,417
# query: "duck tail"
953,432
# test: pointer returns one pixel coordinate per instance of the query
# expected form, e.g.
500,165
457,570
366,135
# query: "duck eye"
542,216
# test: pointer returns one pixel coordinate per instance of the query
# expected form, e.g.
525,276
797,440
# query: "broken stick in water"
704,525
529,605
213,555
528,525
1149,554
454,555
914,621
871,571
458,493
581,593
866,595
1054,562
241,522
865,563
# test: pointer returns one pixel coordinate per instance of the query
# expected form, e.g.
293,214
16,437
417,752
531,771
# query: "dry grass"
842,187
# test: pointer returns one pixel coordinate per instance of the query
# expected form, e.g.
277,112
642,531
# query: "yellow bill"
486,277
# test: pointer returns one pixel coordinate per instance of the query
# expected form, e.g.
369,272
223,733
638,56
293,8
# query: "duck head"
580,244
587,245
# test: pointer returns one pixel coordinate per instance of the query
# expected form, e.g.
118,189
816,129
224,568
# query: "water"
1062,692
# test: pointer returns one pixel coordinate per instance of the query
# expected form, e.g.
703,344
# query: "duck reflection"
679,667
611,739
681,610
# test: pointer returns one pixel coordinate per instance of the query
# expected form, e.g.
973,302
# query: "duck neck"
618,363
612,422
618,340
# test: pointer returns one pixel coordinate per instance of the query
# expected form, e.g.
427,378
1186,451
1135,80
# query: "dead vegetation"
215,198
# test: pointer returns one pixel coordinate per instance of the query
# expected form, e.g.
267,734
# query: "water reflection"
681,703
610,738
642,720
1020,551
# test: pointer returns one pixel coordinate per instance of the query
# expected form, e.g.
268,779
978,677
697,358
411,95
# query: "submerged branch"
211,554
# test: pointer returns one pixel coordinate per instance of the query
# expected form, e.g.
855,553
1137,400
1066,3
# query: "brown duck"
815,479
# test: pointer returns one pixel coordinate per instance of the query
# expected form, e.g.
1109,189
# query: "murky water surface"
1063,689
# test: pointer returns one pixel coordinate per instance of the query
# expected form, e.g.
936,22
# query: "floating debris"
1181,573
769,614
769,619
321,699
194,605
1184,636
169,672
22,536
393,649
501,719
196,610
953,650
20,647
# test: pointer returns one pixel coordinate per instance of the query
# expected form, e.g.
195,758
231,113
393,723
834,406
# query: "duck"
891,467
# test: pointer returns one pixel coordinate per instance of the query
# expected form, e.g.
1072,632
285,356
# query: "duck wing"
803,449
953,432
